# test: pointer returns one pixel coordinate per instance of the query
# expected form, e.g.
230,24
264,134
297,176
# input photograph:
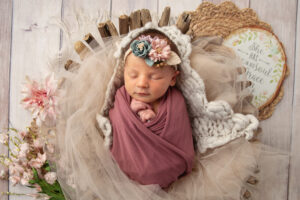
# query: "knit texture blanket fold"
155,152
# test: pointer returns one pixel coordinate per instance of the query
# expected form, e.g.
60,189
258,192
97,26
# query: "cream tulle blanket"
87,171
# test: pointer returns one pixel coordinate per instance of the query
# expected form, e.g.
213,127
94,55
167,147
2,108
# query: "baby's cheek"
161,87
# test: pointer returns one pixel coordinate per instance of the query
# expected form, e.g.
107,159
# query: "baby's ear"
173,80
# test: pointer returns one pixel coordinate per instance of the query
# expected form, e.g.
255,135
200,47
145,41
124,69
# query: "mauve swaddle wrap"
156,152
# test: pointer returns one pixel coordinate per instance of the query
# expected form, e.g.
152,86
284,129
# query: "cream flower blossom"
50,177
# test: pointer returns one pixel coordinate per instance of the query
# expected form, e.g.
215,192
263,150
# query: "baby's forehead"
138,68
138,64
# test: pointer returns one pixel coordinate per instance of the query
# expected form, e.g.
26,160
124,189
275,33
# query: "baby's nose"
143,82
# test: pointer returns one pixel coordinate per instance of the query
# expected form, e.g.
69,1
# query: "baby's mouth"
142,94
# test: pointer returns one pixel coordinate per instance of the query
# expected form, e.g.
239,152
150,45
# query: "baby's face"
146,83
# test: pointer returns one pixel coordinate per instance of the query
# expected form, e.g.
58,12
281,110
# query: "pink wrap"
155,152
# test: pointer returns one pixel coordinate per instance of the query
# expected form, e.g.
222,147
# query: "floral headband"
154,50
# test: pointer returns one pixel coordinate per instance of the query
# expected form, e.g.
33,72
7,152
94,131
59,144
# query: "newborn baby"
152,135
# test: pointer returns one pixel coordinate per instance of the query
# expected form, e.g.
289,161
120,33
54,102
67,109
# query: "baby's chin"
143,99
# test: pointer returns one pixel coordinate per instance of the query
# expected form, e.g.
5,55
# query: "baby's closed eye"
133,75
156,76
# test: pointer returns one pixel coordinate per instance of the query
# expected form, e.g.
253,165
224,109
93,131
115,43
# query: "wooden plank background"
26,39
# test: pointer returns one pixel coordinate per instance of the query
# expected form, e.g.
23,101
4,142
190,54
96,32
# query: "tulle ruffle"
86,170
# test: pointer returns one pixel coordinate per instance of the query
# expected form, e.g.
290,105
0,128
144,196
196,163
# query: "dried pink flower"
38,144
27,175
160,50
40,99
15,180
38,187
3,138
7,162
23,134
39,196
4,174
38,162
16,169
24,150
50,148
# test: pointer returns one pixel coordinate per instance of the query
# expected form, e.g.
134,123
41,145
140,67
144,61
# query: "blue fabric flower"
149,62
140,48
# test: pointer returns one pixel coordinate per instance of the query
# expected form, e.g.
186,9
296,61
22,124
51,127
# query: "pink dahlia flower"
40,99
160,50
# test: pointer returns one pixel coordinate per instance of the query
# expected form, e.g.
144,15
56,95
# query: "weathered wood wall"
25,38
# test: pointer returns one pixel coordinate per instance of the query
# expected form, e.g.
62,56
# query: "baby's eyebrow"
132,70
155,73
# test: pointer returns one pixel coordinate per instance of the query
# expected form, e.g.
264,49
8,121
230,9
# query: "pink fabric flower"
160,50
40,99
147,38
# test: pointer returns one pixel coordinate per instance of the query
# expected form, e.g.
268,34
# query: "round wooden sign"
264,58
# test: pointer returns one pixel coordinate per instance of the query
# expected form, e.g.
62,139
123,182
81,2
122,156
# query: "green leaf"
270,55
32,182
255,35
35,174
46,166
13,129
54,191
275,71
271,81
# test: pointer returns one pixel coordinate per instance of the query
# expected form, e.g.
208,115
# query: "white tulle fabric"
87,171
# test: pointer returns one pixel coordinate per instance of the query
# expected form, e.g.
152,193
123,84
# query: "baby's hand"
142,109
